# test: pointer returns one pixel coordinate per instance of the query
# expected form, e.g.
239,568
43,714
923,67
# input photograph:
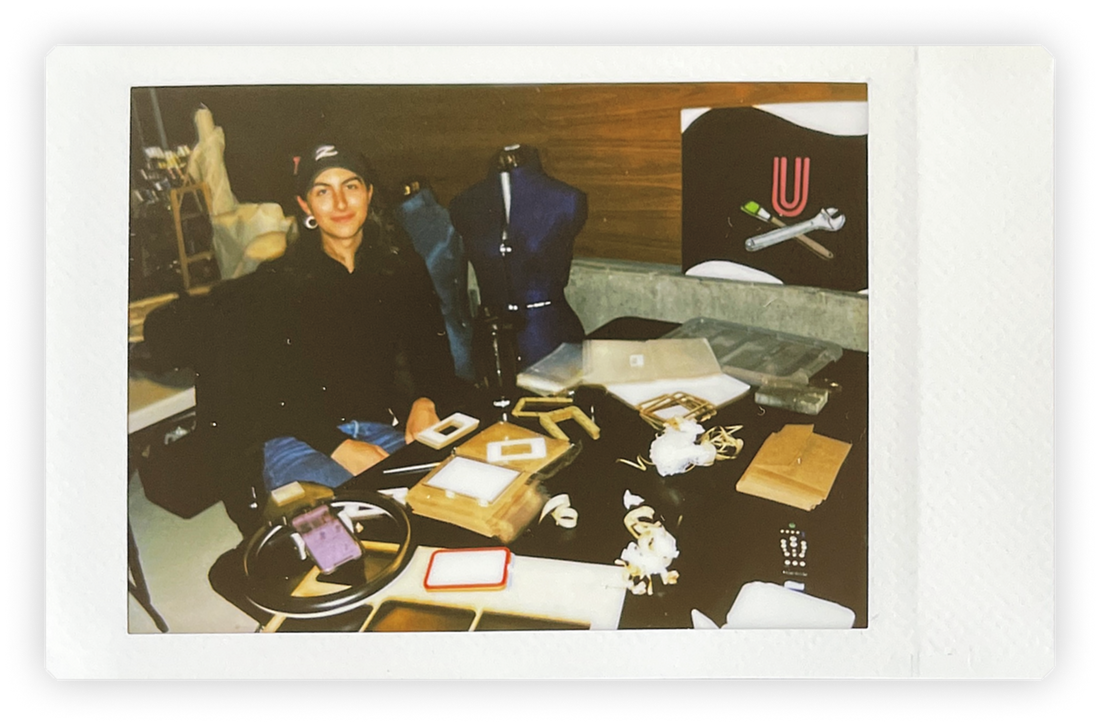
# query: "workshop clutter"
676,450
759,356
494,483
608,362
551,411
730,469
651,553
168,218
713,360
163,170
561,510
491,483
684,444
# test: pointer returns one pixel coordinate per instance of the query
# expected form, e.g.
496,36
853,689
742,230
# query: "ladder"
200,192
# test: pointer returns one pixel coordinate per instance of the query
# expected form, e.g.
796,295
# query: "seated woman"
318,364
355,299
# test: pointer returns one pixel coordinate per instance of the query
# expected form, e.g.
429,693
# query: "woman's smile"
337,197
339,201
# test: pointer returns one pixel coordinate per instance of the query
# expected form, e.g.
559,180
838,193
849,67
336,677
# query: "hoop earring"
310,222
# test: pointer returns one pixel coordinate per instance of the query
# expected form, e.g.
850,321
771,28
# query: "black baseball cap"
324,156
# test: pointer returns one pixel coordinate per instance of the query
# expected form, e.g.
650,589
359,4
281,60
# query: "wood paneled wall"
618,143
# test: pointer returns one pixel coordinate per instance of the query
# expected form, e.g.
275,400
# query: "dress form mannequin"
429,226
518,226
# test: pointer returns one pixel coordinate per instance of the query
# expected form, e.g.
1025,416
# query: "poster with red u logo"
777,193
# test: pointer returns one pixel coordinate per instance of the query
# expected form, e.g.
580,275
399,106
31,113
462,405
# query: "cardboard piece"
795,466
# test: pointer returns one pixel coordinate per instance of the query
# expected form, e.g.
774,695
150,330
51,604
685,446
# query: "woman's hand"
422,415
358,456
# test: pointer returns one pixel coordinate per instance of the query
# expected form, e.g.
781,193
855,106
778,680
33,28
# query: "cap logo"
324,152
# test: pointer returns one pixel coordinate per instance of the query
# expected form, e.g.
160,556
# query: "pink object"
801,186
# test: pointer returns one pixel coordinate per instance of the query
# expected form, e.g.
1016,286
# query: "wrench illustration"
827,220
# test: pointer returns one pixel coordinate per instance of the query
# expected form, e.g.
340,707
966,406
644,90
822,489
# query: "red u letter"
801,186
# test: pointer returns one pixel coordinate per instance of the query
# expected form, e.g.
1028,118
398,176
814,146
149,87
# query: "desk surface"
150,401
725,538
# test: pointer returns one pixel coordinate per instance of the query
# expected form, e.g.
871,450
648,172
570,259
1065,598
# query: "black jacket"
300,345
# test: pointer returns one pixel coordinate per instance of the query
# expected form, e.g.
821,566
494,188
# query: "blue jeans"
288,459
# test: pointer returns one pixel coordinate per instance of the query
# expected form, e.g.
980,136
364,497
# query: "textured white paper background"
961,484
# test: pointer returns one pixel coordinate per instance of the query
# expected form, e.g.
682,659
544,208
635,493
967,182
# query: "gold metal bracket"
551,418
693,408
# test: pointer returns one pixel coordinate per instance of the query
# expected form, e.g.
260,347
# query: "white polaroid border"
961,496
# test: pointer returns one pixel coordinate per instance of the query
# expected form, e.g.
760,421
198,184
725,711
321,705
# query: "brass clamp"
660,410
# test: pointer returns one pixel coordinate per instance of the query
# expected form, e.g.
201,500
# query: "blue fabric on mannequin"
429,226
545,217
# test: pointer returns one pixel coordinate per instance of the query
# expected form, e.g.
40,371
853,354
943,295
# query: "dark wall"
619,143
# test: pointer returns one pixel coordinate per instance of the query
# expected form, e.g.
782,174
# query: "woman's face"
338,200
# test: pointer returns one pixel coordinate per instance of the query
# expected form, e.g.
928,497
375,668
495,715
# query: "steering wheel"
281,579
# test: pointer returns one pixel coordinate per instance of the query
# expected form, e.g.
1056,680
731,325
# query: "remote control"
793,547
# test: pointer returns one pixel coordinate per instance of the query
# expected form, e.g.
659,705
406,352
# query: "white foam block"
473,478
760,605
447,431
468,568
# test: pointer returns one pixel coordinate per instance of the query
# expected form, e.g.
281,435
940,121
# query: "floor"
176,556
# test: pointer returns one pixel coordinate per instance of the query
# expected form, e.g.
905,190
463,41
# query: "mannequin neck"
517,156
